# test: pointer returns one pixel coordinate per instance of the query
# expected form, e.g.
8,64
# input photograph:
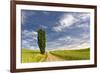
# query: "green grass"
32,56
82,54
28,56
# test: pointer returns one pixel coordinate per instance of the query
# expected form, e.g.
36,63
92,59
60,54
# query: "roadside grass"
82,54
29,56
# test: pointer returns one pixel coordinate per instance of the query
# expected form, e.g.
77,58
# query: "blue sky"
64,30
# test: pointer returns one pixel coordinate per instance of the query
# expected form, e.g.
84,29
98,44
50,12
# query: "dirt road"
51,58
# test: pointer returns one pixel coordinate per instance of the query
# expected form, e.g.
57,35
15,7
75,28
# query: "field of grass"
32,56
29,56
82,54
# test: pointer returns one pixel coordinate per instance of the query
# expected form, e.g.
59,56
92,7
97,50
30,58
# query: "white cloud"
28,39
83,45
29,34
24,42
27,45
69,42
85,25
75,46
69,38
84,16
66,38
67,20
43,26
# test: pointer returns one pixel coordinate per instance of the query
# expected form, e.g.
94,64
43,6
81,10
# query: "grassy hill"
82,54
57,55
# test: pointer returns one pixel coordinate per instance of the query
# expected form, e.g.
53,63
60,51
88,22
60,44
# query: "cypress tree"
41,40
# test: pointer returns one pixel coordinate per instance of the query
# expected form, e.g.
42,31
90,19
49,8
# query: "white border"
20,65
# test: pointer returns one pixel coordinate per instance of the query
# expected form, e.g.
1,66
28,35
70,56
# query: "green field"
28,56
82,54
32,56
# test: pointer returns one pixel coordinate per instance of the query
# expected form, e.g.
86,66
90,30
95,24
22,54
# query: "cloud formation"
64,30
70,19
66,21
29,39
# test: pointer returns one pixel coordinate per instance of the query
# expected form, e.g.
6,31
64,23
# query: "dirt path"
51,58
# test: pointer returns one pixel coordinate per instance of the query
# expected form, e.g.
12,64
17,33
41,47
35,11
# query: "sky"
64,30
